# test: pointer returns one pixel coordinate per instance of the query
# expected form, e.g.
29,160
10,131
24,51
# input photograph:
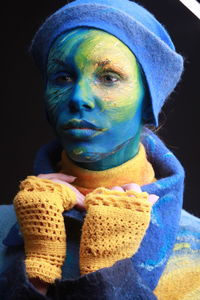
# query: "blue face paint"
94,98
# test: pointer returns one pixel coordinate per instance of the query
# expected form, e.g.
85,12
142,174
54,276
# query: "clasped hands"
68,179
113,227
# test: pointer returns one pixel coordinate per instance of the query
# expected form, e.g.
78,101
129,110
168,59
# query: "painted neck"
125,153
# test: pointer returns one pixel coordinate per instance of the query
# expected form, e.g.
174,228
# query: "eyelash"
109,73
65,78
61,78
107,79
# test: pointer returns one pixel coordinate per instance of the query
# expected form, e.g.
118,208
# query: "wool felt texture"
117,282
181,277
122,279
130,23
139,169
151,258
106,284
39,206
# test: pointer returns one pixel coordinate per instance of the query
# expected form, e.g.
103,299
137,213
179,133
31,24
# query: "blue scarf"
157,245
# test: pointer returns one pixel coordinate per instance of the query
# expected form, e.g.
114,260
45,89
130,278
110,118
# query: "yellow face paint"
93,78
113,72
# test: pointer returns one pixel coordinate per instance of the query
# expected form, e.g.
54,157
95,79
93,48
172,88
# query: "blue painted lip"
81,129
82,132
80,124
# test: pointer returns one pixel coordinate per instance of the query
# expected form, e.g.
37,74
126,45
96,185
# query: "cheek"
120,103
55,98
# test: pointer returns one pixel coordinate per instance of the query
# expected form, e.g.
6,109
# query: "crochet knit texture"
112,229
39,206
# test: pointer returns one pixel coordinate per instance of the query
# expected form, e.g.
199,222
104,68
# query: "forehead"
91,44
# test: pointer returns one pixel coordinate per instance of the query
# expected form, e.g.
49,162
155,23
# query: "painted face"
94,94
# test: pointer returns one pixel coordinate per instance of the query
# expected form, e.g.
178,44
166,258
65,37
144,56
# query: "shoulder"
182,273
186,216
189,223
188,237
189,232
187,244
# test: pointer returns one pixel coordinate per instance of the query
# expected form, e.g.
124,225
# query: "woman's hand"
66,180
135,187
39,206
114,226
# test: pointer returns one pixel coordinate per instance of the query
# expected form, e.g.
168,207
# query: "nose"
81,98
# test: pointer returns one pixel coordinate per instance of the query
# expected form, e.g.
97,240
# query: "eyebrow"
110,66
103,63
60,62
99,63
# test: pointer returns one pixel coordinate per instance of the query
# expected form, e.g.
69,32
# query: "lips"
81,124
81,130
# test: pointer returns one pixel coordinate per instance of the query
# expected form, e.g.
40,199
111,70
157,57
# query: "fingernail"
153,198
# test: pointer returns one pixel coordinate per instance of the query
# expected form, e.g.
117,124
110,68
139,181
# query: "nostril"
87,106
77,105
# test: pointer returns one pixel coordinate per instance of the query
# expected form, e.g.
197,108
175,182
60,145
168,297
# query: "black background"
23,125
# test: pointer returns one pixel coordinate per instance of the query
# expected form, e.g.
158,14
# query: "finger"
132,186
64,177
60,176
117,188
67,184
61,182
79,197
80,203
153,198
80,206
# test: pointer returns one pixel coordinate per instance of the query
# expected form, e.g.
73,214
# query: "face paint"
94,97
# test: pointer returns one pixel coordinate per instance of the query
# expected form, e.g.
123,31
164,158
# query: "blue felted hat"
130,23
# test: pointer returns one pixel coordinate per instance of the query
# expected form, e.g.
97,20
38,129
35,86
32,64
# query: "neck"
122,154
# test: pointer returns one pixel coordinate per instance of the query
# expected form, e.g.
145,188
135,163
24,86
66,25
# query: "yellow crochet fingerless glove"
39,206
114,227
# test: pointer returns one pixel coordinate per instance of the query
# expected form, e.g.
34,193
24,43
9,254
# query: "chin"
87,157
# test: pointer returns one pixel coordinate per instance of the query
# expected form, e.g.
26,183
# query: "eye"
108,79
63,79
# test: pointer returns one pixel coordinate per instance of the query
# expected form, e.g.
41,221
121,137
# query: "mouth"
81,124
81,129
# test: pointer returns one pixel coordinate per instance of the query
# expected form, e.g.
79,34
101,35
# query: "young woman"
102,216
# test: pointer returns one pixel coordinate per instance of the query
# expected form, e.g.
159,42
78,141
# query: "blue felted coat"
136,278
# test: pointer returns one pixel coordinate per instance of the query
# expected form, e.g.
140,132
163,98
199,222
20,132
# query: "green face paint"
94,97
